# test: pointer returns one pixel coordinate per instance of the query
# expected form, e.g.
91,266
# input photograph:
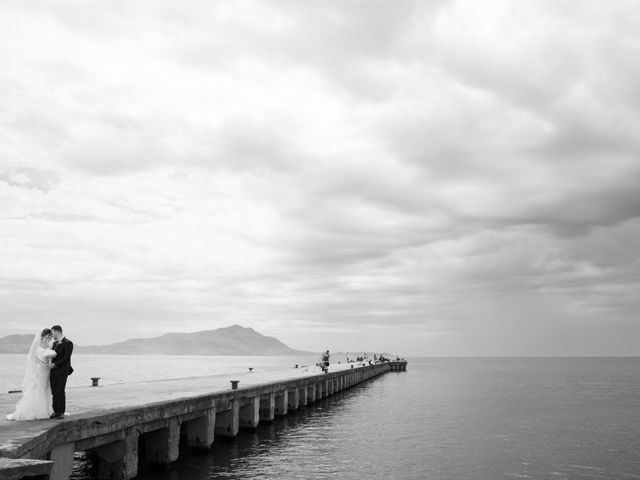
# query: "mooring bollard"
94,381
234,384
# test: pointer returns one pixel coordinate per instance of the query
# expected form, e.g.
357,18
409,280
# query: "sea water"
445,418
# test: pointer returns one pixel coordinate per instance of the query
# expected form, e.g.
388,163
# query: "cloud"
418,169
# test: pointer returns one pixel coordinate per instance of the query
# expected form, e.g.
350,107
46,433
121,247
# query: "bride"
36,391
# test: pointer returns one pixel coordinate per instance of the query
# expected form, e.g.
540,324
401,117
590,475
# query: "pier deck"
114,421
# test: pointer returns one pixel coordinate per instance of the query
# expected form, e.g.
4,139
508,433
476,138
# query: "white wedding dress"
36,390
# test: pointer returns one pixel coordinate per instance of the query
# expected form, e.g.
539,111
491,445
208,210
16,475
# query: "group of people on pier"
364,358
381,358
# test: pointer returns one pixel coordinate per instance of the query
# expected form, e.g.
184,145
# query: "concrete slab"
18,468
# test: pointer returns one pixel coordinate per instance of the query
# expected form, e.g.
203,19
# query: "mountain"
234,340
16,343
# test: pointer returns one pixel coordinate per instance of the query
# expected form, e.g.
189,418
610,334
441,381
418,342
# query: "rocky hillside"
234,340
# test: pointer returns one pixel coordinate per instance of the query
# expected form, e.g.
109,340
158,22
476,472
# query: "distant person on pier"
325,361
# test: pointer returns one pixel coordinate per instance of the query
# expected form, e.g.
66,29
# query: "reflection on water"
264,453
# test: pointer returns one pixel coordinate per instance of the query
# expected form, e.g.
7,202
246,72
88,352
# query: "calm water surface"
455,419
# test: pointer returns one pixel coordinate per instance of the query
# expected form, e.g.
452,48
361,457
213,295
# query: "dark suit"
59,373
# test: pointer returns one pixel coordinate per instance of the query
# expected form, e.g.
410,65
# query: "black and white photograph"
319,239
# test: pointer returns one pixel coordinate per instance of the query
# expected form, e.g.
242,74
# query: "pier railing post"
303,396
250,414
311,393
294,399
200,432
268,408
282,401
119,460
228,421
162,446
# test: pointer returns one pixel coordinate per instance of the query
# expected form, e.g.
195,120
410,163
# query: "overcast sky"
426,178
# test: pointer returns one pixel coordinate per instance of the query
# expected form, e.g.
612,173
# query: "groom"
60,370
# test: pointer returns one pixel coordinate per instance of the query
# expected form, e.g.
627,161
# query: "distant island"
233,340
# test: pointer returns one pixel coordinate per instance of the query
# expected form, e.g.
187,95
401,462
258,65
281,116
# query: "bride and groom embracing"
43,387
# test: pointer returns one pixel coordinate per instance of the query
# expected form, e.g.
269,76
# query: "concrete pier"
268,407
228,419
200,431
250,413
294,399
282,400
119,424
